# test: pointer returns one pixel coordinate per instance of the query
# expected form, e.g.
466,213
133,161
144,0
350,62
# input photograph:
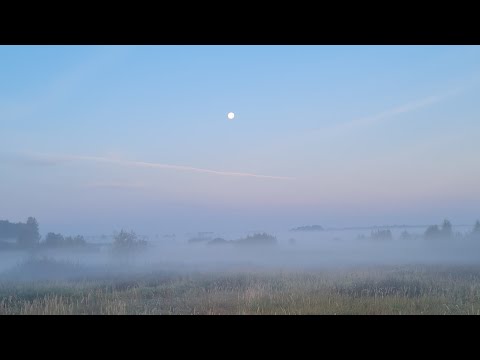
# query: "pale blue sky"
344,135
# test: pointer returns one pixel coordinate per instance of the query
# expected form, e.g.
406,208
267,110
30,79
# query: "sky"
98,138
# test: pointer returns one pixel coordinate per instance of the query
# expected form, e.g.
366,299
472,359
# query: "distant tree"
74,241
476,228
308,228
54,240
9,230
79,240
405,235
218,241
475,234
127,240
446,231
381,234
29,235
432,232
257,239
58,240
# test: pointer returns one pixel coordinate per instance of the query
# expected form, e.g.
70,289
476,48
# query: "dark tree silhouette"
381,234
475,234
476,228
257,239
9,230
75,241
58,240
53,239
128,240
29,235
446,232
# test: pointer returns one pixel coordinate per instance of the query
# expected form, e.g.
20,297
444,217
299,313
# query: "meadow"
397,290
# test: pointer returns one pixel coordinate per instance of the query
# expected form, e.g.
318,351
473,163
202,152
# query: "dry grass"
411,290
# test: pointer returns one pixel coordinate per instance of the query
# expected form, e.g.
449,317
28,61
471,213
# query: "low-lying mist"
305,248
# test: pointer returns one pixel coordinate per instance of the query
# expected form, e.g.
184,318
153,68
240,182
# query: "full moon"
231,115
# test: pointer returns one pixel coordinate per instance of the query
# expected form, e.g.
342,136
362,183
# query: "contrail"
143,164
405,108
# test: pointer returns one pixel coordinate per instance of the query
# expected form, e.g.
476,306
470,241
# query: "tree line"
25,234
444,231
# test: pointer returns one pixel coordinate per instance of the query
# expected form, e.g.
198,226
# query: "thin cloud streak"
142,164
114,185
396,111
406,108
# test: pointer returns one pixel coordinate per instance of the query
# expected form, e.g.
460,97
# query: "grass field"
379,290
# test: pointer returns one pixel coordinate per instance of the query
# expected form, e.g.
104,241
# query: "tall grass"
409,290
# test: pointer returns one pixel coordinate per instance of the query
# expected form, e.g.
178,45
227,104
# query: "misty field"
379,290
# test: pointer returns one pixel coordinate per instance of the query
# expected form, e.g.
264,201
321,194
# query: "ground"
378,290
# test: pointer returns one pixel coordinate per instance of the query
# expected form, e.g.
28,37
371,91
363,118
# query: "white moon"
231,115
